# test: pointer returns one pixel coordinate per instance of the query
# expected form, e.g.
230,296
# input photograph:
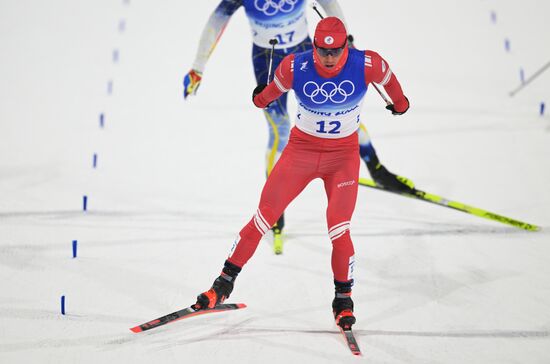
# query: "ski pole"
388,102
272,42
526,82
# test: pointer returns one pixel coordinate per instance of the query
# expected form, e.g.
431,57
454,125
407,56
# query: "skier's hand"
399,108
191,83
351,43
258,90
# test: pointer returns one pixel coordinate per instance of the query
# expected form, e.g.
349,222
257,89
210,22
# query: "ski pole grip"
272,41
314,6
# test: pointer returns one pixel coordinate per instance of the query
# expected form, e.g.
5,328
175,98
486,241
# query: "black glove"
258,90
350,41
391,107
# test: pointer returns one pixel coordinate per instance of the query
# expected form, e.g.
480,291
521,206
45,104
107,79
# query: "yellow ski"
438,200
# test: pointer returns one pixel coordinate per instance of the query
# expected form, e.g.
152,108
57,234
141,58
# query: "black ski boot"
390,181
221,288
342,305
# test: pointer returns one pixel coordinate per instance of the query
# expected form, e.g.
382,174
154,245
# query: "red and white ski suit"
333,159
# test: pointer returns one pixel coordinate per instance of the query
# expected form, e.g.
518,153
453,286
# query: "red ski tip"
136,329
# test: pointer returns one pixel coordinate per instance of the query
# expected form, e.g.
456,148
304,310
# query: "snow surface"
176,181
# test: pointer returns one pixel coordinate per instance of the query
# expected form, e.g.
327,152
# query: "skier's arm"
282,82
377,70
211,34
213,30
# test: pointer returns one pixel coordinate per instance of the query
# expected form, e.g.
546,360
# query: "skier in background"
285,21
330,83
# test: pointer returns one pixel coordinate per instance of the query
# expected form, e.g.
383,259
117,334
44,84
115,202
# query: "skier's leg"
278,123
291,174
378,172
341,188
279,129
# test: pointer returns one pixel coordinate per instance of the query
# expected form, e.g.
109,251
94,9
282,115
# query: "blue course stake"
507,45
62,305
110,87
101,120
493,17
94,163
115,55
122,25
85,203
542,108
521,75
74,248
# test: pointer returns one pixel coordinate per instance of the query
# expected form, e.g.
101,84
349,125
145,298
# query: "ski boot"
220,290
342,308
390,181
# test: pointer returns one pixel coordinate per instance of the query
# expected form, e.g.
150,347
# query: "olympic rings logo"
329,91
272,7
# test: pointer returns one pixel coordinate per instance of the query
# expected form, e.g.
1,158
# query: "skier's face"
329,57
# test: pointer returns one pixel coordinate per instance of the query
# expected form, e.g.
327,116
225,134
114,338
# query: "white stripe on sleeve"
280,85
386,78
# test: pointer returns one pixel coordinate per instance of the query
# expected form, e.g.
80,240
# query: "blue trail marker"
115,55
110,87
85,203
507,44
101,120
542,106
122,25
75,243
521,75
62,305
493,16
94,163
